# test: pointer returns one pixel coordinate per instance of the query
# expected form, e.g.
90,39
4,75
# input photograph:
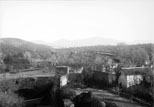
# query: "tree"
118,74
53,59
1,61
28,56
17,61
153,76
7,96
139,56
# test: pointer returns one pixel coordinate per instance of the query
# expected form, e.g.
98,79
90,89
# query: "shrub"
8,86
10,100
67,93
7,96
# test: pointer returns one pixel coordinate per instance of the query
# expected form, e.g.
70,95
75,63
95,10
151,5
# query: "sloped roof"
105,53
136,70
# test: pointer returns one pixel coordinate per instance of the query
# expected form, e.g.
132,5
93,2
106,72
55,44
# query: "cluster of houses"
129,76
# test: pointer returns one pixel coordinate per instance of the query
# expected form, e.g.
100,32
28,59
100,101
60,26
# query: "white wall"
133,79
63,80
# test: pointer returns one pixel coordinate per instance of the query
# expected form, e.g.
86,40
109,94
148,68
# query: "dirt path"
105,95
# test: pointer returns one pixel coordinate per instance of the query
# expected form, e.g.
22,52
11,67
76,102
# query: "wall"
104,78
133,79
63,80
62,70
130,80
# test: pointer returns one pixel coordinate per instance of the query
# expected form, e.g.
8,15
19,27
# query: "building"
63,80
62,70
76,70
132,75
104,78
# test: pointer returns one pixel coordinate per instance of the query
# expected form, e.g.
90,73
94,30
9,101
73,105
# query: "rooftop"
136,70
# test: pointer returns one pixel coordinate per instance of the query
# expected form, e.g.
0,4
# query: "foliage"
67,93
87,56
7,96
16,61
128,54
8,86
10,100
14,45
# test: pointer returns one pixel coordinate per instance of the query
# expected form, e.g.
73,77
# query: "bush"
10,100
8,86
7,96
67,93
75,85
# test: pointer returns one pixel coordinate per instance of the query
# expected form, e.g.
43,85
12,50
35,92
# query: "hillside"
14,45
128,54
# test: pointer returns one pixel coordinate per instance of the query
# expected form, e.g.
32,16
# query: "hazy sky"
123,20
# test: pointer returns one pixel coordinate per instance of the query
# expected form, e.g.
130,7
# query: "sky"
49,20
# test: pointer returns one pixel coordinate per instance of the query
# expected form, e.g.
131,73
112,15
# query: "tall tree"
153,75
16,61
139,56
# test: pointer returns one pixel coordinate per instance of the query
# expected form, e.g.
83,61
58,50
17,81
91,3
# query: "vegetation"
10,100
7,96
19,51
16,54
68,93
17,61
129,55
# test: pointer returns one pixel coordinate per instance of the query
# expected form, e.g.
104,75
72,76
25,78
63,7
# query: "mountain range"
15,45
63,43
44,50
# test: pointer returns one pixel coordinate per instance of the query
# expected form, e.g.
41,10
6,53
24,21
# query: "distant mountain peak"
85,42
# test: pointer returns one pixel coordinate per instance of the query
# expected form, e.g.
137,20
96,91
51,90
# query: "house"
76,70
62,70
132,75
104,78
63,80
111,64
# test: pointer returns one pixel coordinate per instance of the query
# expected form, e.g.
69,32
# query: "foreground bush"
67,93
7,96
10,100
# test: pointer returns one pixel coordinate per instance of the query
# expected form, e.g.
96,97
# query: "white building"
132,76
63,80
